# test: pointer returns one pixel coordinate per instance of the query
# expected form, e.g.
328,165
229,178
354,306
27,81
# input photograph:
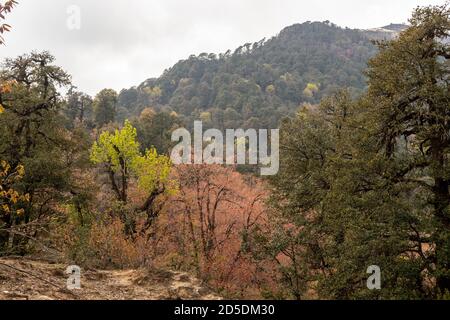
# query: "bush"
102,242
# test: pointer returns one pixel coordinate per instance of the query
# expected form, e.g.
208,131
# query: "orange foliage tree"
206,226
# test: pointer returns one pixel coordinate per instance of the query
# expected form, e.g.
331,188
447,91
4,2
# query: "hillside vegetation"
364,172
259,83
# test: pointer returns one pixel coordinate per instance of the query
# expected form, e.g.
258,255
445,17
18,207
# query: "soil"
24,279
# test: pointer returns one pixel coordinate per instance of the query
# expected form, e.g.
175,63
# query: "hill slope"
38,280
261,82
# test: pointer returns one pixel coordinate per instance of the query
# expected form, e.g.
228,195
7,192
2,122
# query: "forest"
364,165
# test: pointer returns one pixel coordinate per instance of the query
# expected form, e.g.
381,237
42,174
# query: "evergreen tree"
367,182
105,104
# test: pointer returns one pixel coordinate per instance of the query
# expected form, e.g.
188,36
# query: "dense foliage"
364,177
259,83
366,182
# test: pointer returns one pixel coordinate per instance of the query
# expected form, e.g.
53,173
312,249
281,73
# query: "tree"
5,9
11,202
117,153
31,99
366,182
105,107
208,221
266,80
120,156
155,130
301,234
409,84
79,106
153,177
33,135
5,87
310,90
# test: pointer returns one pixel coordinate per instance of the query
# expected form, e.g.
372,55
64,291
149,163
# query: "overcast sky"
123,42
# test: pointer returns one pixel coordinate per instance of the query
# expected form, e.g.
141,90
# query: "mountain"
259,83
397,27
388,32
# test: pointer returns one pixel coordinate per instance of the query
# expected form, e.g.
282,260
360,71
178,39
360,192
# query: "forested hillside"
364,177
259,83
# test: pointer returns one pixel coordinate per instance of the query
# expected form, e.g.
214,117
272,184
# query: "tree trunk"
441,212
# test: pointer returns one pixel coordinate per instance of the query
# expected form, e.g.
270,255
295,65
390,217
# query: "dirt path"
45,281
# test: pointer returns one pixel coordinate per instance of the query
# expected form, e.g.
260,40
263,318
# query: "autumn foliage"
5,9
208,221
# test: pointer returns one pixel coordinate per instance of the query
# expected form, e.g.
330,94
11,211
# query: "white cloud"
122,42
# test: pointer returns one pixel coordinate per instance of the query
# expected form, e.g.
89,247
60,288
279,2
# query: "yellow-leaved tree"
11,201
122,160
5,87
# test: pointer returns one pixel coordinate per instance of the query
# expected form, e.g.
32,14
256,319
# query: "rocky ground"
24,279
